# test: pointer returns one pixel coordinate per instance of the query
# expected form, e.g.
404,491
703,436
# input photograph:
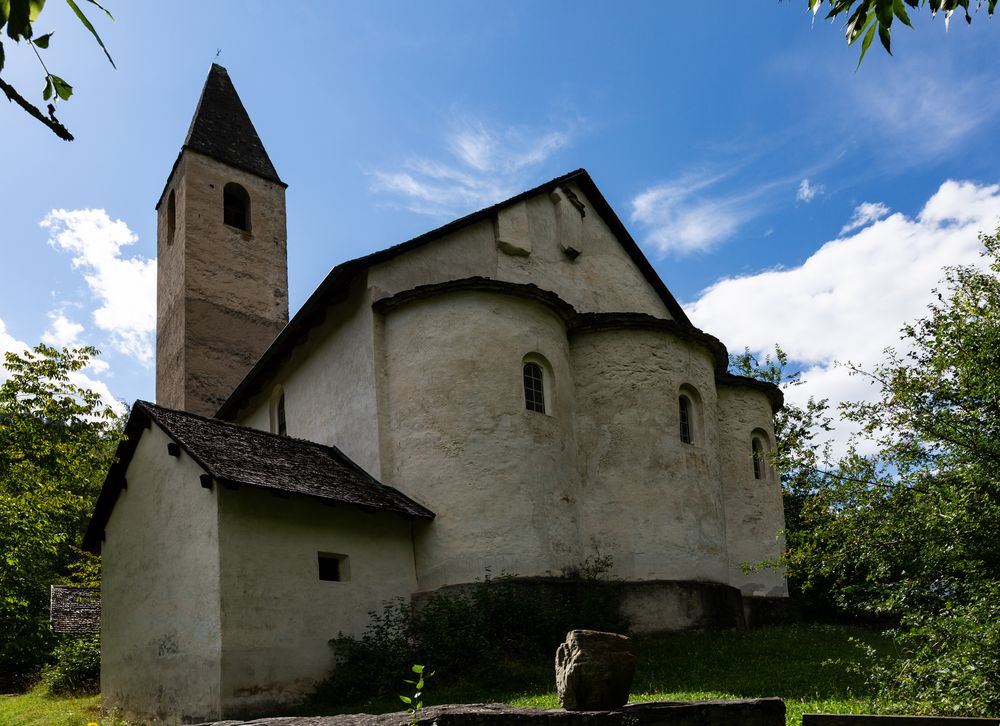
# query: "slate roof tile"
75,609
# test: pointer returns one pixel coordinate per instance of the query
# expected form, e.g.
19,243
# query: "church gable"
561,241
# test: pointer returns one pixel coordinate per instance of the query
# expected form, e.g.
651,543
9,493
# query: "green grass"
809,666
36,708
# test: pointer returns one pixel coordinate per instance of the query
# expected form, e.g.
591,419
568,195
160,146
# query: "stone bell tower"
222,272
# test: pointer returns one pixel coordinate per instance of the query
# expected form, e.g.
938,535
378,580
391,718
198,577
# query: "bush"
949,664
466,634
77,666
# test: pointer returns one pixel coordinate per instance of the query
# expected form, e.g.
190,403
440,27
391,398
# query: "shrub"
77,666
949,662
464,634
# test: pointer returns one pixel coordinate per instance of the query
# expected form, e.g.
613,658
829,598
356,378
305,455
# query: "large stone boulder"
594,671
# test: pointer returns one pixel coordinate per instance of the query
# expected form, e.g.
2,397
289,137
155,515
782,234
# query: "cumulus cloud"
807,192
8,344
865,213
484,164
124,287
848,300
62,332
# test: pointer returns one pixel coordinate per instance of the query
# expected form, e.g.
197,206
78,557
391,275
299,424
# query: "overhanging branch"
57,128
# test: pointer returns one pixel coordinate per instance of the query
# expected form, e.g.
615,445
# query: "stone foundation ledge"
756,712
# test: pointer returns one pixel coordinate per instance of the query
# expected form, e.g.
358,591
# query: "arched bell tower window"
685,415
236,206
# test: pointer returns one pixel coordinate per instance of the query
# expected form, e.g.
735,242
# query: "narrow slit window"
282,428
171,218
758,462
332,568
534,388
236,207
684,411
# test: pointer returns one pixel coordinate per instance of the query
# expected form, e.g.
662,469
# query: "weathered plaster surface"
646,498
603,278
329,385
222,292
277,615
160,617
754,512
498,477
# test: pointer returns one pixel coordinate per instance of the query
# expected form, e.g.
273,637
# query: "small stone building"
514,391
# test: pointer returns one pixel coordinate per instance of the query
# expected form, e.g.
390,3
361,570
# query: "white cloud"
807,192
865,213
8,344
484,165
125,288
848,300
689,214
62,332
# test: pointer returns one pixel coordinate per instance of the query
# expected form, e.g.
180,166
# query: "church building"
516,391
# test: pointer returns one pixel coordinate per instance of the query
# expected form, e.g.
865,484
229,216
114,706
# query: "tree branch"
57,128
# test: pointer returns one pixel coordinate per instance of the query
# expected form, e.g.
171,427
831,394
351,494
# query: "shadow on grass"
800,662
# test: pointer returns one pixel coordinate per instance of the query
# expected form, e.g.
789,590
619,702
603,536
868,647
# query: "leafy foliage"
466,634
56,441
865,18
909,533
77,666
18,18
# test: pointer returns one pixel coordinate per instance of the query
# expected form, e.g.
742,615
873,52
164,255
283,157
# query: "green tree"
18,18
910,532
865,18
56,442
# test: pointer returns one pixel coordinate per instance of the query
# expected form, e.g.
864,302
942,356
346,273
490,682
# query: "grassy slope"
35,708
808,666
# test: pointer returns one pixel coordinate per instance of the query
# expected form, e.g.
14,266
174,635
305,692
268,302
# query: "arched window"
236,206
534,387
686,414
757,450
171,218
279,423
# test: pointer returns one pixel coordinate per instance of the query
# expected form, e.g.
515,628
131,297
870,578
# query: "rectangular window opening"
333,568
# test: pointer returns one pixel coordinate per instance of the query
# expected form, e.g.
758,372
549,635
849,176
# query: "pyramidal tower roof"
221,128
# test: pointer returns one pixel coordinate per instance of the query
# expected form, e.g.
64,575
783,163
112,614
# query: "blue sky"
782,196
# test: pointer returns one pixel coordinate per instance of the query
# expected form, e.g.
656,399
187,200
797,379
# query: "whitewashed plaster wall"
532,236
160,617
648,499
329,385
754,512
499,478
277,615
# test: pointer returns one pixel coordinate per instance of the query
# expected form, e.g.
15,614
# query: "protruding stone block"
594,671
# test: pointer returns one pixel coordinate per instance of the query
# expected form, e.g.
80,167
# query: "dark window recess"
171,218
330,568
758,452
236,207
684,407
534,392
280,415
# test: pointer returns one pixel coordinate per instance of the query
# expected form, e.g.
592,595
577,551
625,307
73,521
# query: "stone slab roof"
75,609
236,456
222,129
